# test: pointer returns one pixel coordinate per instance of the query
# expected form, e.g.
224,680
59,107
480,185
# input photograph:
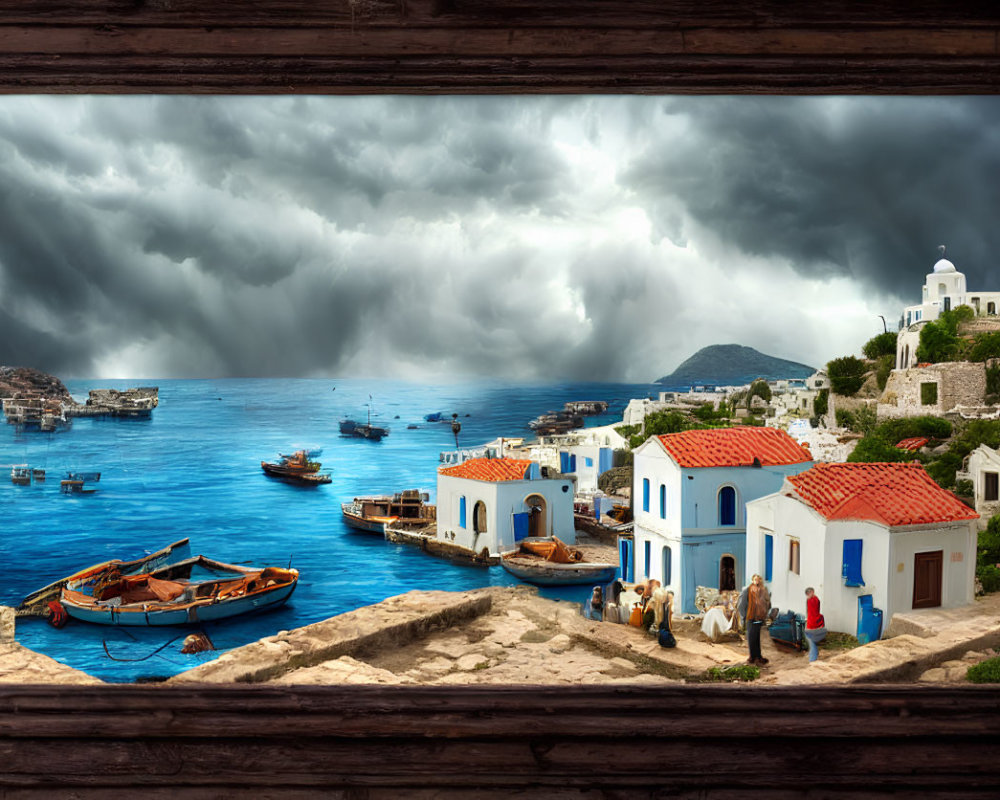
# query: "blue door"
625,569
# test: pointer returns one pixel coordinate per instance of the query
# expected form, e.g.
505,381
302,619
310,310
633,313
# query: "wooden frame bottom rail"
374,742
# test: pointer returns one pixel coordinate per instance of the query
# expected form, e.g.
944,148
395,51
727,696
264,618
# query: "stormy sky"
518,237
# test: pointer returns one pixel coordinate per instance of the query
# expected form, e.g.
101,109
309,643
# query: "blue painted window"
572,462
727,506
666,566
461,511
663,501
768,556
851,570
588,461
645,494
564,462
646,551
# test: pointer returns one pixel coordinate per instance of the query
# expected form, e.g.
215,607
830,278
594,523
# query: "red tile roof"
912,444
489,469
891,494
734,447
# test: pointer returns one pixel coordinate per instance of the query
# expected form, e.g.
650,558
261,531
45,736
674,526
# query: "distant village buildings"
689,494
871,539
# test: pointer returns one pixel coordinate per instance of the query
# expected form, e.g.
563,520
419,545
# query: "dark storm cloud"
865,187
464,235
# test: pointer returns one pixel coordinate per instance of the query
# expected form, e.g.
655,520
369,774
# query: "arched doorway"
537,509
479,517
727,573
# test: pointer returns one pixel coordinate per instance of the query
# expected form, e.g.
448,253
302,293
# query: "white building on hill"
944,289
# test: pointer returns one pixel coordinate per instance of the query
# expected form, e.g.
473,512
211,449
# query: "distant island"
733,365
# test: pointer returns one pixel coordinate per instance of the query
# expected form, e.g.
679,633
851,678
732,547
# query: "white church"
944,290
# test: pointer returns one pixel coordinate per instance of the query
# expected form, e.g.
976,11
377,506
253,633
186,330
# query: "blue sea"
194,470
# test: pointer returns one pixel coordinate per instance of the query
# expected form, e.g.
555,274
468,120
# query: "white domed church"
943,290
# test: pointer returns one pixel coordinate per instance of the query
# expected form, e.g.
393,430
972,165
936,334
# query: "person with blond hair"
758,606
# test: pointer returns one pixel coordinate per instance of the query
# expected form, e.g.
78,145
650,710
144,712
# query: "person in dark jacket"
758,606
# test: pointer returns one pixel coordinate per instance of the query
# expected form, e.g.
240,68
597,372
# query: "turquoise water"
194,470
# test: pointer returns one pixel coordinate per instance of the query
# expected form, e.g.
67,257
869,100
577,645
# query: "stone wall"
841,402
959,384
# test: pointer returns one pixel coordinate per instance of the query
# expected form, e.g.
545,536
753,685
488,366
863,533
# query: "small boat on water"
549,562
76,482
20,475
36,603
297,468
361,430
191,591
408,509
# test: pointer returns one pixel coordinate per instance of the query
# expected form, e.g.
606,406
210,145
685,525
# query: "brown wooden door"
927,569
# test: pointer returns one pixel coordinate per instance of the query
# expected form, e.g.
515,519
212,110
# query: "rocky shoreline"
511,636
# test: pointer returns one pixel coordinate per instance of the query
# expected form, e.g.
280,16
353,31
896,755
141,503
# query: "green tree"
846,374
885,365
821,403
759,388
882,345
939,340
985,346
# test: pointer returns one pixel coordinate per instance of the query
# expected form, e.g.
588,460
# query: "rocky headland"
26,381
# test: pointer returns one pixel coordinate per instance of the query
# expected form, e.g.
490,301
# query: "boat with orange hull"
407,509
297,468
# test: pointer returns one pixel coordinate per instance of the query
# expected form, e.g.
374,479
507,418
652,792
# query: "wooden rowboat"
534,569
192,591
36,603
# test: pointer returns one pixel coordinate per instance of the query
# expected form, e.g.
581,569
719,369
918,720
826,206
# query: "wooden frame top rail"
503,46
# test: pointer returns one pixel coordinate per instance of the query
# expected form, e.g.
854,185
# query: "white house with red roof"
492,503
690,491
866,537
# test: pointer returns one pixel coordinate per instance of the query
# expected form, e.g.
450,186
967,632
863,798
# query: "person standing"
815,624
758,605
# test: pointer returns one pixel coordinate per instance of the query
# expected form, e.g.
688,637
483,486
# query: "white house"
982,467
867,538
944,289
689,492
492,503
587,454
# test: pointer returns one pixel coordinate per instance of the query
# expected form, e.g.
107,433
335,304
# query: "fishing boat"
191,591
407,509
546,561
36,603
297,468
20,475
361,430
76,482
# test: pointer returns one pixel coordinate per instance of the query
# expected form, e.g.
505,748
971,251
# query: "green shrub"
988,549
737,672
963,488
846,419
660,422
939,339
874,449
759,388
985,346
821,403
846,375
989,577
882,345
987,671
895,430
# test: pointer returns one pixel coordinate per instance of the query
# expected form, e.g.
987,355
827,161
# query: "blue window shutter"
768,556
572,462
851,570
666,565
588,461
563,462
645,494
461,511
647,550
727,506
663,501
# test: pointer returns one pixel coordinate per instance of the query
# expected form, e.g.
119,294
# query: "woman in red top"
815,624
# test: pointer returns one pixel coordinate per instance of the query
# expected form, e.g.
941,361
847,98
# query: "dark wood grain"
434,741
430,46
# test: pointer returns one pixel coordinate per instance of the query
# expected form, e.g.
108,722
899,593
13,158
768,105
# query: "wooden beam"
503,46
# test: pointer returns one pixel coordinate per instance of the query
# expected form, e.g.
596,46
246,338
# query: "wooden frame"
560,742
